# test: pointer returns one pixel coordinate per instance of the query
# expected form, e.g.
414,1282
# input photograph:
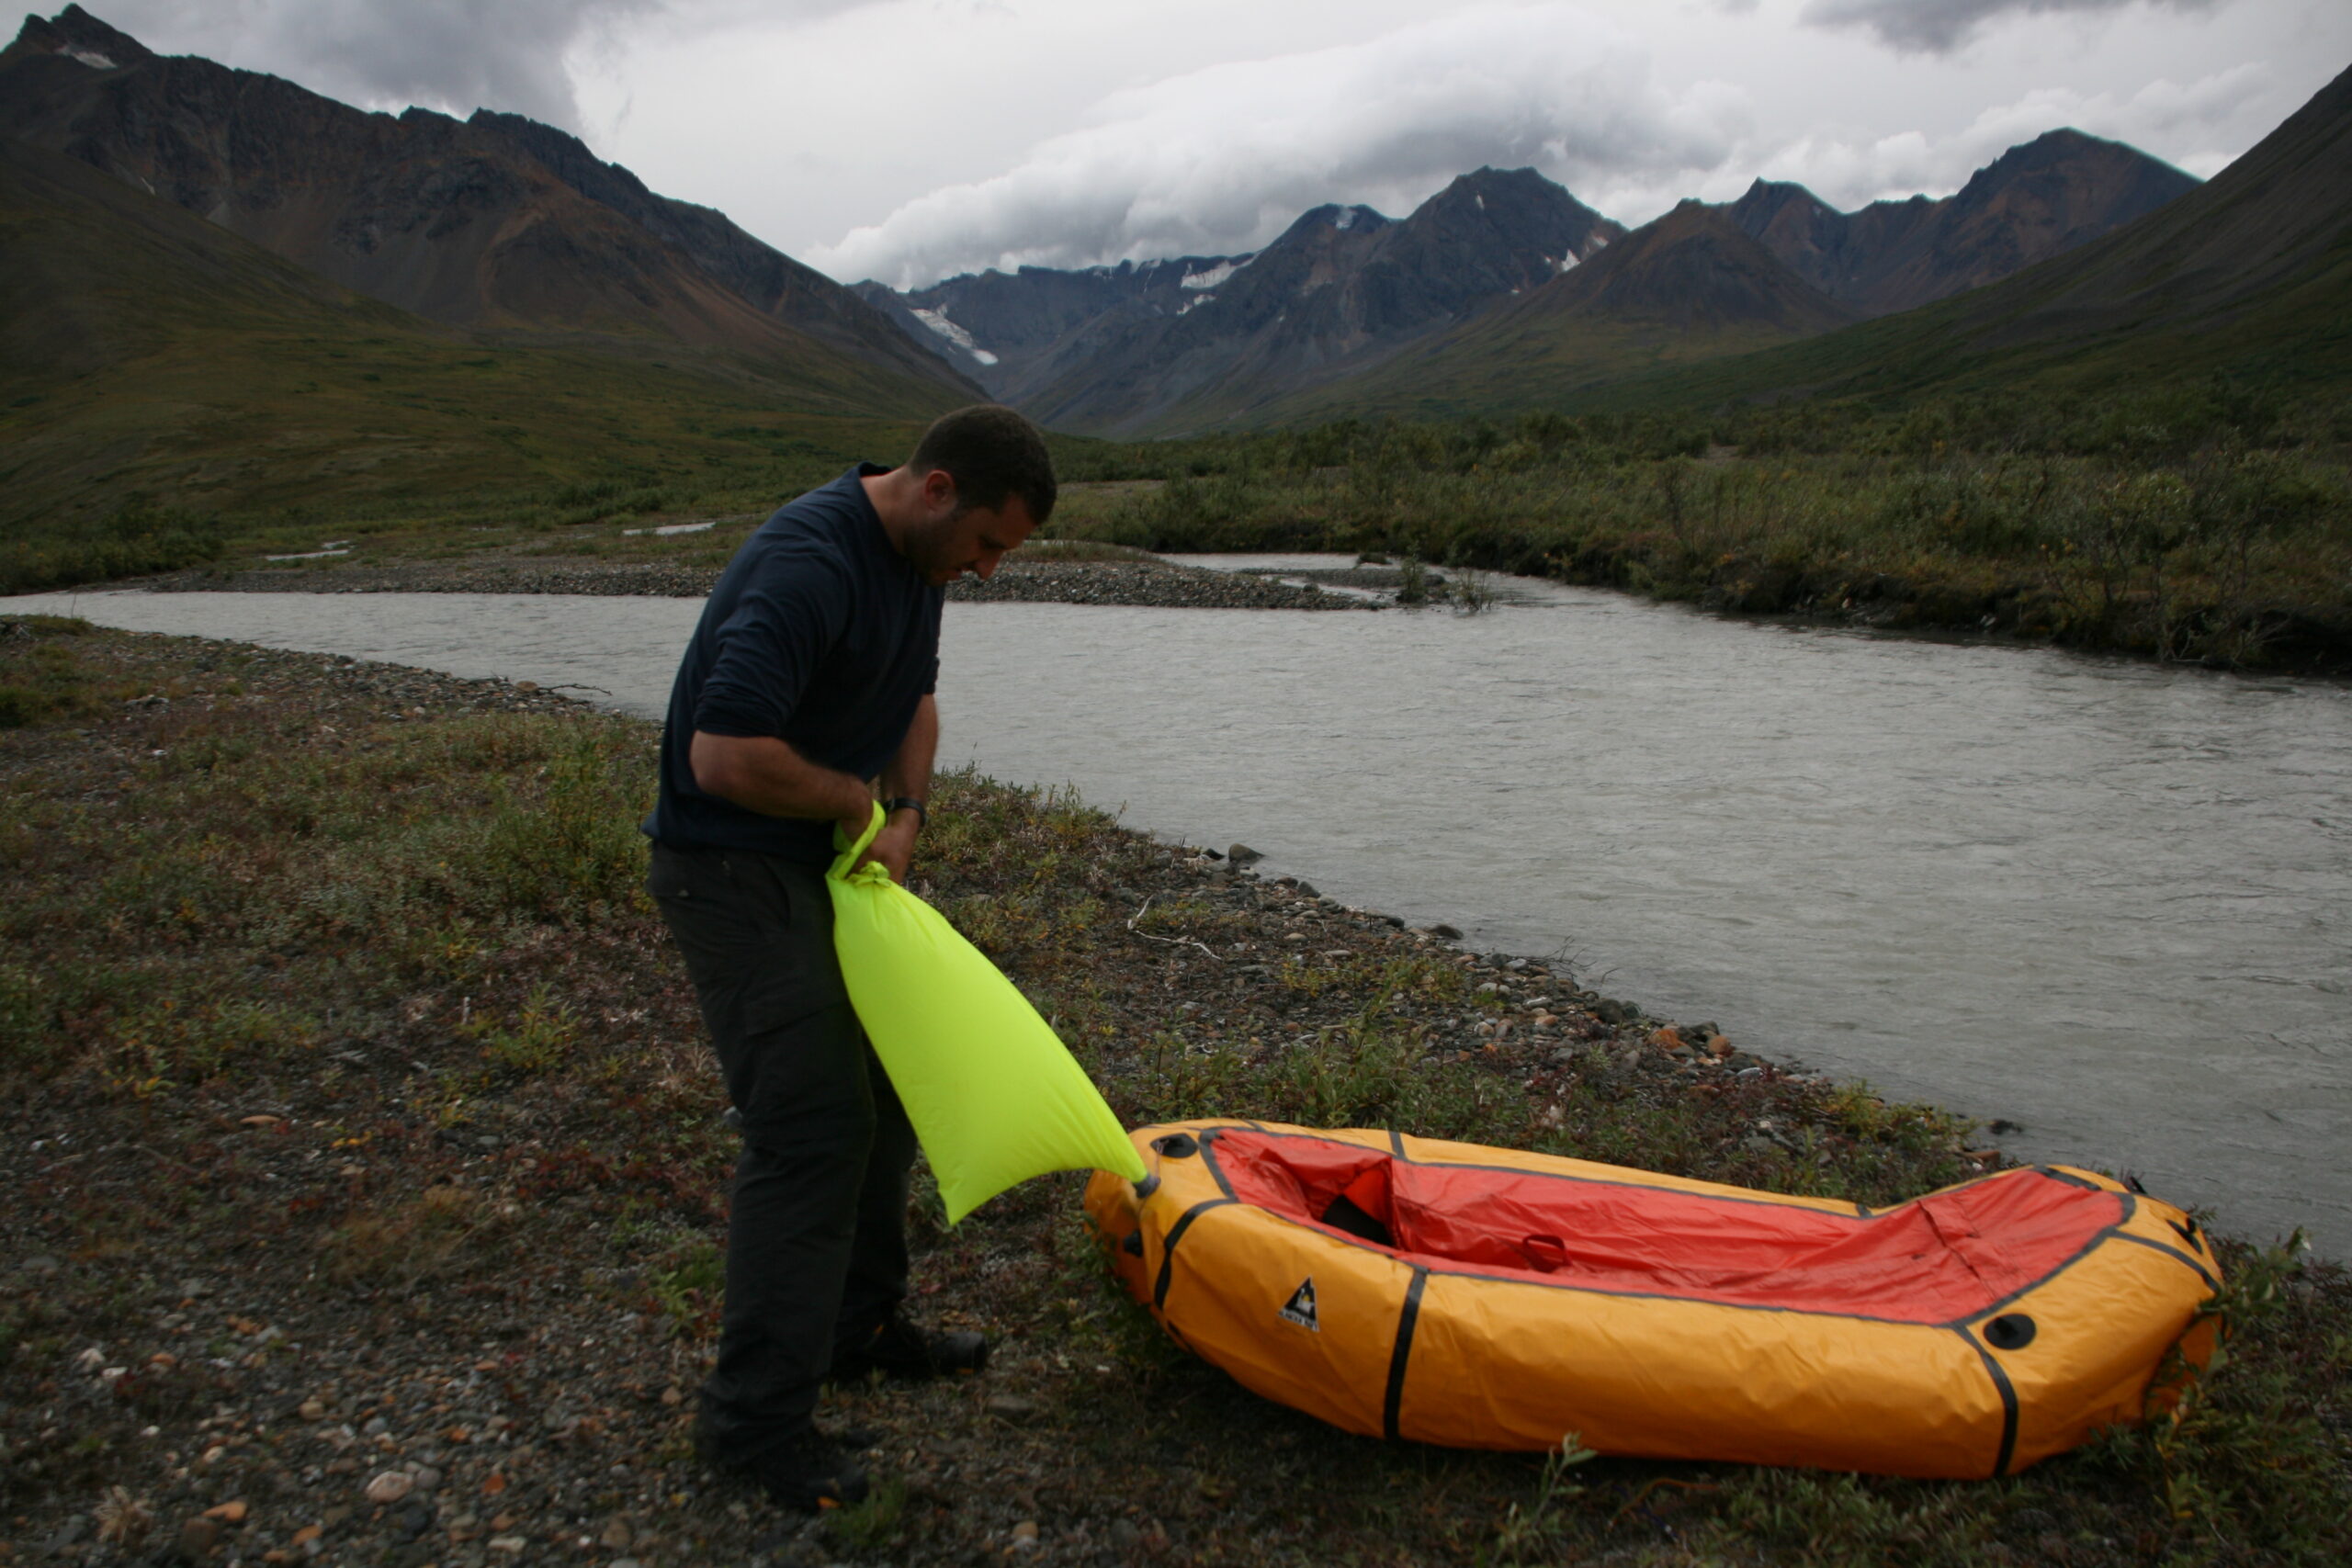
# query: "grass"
217,905
179,397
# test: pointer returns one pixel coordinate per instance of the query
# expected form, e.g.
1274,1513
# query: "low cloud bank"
1220,160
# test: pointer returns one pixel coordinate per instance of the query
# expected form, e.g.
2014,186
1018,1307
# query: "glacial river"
2106,901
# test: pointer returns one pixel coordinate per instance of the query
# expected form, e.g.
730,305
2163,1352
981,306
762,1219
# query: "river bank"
2195,545
1137,580
367,1132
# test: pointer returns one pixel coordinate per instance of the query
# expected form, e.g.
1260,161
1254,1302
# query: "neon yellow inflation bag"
994,1096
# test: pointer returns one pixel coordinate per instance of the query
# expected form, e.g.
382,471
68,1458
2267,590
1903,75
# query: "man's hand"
894,846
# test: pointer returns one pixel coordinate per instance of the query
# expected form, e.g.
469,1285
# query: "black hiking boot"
902,1350
855,1438
807,1471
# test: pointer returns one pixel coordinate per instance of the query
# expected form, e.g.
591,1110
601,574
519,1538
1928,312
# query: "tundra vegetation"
360,1125
2205,521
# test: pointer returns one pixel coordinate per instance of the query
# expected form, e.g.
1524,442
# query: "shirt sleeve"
789,618
931,675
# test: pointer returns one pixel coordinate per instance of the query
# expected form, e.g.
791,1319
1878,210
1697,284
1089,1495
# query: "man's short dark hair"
991,452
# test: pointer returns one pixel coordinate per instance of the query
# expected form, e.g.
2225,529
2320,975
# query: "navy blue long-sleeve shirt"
818,632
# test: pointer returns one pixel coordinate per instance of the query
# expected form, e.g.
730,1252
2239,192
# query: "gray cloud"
1938,26
456,55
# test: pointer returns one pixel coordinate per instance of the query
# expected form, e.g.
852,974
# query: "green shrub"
132,543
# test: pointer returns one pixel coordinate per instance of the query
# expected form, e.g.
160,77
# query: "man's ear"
939,490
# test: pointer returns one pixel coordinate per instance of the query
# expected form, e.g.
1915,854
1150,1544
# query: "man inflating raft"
811,677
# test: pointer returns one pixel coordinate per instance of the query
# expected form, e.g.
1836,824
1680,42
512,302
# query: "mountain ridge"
1324,319
149,358
2250,274
496,222
2038,200
1690,284
1342,290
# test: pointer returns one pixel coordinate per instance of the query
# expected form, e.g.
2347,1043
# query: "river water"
2103,901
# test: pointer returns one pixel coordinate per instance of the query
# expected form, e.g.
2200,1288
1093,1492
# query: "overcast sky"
907,139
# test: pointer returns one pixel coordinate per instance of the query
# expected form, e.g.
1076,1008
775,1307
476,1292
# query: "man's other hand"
894,846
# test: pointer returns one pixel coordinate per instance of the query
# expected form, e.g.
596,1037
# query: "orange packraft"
1486,1298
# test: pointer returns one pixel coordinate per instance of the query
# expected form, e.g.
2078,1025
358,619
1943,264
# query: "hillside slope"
495,222
2249,274
1688,286
150,358
2037,200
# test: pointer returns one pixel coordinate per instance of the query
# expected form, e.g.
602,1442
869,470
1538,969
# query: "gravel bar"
1160,584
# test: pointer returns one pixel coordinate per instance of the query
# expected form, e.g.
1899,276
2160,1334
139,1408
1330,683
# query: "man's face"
974,542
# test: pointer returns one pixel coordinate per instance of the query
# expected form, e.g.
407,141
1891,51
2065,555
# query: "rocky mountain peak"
1337,217
1766,201
1514,201
565,156
1487,184
2046,151
1694,270
2035,201
2067,168
78,36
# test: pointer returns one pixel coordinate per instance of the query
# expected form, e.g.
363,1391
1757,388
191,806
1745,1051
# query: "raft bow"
1488,1298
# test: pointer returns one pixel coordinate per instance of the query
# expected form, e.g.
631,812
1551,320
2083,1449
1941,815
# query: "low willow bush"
132,543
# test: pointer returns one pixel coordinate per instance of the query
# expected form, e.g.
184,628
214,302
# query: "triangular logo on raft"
1300,1308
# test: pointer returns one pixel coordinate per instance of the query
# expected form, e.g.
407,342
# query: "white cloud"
1847,174
1937,27
1221,159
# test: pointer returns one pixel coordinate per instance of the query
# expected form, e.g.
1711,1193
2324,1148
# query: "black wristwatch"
909,803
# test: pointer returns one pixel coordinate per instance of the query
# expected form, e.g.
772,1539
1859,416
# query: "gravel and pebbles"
390,1309
1165,585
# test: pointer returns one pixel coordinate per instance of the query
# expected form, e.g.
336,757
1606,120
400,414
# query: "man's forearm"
763,773
909,774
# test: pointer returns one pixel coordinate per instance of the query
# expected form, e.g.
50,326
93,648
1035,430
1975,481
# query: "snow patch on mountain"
1212,277
937,321
89,56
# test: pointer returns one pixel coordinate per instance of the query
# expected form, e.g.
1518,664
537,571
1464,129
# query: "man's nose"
985,568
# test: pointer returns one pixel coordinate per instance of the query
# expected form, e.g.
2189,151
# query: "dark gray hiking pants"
816,1240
